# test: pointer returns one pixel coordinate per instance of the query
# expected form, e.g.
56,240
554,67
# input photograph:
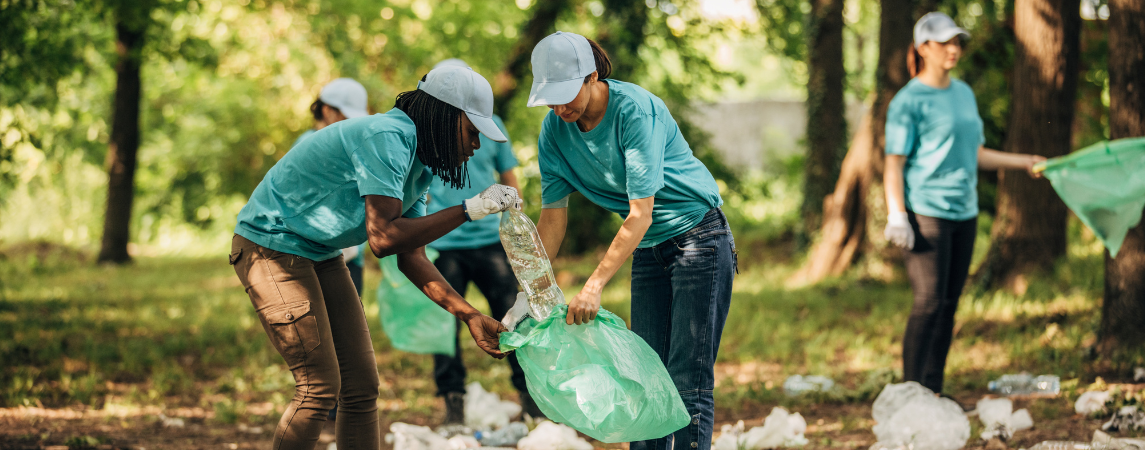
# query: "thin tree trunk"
826,125
1029,232
1123,311
846,210
508,82
124,146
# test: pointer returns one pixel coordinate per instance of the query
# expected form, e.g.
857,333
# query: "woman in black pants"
934,146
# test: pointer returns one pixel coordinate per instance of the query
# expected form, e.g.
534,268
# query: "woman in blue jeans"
617,144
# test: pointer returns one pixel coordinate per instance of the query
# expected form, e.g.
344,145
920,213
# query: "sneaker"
454,408
530,408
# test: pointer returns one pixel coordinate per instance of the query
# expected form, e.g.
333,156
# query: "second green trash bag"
412,321
599,378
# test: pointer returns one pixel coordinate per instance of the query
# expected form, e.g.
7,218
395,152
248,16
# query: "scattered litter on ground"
799,384
456,429
485,410
1000,419
249,429
909,415
1101,441
413,437
780,429
460,442
509,435
171,422
1026,384
1091,402
551,436
1127,418
1139,374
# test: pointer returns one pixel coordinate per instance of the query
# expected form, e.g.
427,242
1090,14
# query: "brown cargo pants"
313,316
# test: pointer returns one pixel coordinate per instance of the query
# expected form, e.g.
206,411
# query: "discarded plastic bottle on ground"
509,435
530,263
799,384
1026,384
1062,445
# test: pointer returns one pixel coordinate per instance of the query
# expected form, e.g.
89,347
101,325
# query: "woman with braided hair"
360,180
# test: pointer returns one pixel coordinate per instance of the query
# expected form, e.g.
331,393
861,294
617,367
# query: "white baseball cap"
560,63
937,27
468,91
347,95
451,62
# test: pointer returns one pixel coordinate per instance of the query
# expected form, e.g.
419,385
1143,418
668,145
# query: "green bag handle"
512,340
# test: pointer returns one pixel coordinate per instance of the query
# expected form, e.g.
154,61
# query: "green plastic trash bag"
1104,185
599,378
413,322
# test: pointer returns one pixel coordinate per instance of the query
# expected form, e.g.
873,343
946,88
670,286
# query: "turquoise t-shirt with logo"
491,159
635,152
311,202
939,131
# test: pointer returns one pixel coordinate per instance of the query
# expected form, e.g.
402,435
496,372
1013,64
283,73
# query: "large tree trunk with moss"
826,125
1029,232
508,82
1123,311
857,194
124,145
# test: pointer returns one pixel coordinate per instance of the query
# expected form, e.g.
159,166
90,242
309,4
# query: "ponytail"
603,64
914,61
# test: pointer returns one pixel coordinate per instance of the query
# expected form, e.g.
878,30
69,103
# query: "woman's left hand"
583,307
1034,160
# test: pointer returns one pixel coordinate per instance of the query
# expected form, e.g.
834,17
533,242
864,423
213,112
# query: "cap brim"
351,113
546,93
949,34
487,127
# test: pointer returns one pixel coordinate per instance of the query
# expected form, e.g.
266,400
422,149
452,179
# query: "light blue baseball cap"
937,27
468,91
560,62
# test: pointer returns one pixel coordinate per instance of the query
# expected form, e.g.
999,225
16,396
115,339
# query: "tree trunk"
508,81
1123,311
846,210
124,146
1029,232
826,125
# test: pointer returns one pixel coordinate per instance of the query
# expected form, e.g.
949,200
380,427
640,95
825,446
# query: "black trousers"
487,267
937,267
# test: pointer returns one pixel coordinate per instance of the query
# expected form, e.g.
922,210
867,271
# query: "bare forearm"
552,229
893,183
422,273
626,241
989,159
400,235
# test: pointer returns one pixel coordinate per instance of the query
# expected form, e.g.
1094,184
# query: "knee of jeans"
926,306
361,393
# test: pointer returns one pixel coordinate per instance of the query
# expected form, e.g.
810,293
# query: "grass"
180,332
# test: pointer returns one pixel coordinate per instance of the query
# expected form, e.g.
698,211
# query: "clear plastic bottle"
509,435
530,263
1026,384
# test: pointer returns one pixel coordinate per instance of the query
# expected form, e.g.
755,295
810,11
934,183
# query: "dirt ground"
842,426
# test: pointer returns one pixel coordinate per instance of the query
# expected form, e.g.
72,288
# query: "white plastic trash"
909,415
551,436
1091,402
1127,418
485,410
1000,419
799,384
1139,374
780,429
413,437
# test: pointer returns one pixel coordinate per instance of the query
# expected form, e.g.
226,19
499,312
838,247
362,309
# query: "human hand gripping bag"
599,378
412,321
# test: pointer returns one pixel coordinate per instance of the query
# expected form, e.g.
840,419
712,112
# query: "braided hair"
438,135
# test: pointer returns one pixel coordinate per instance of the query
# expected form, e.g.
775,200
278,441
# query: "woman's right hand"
898,230
486,332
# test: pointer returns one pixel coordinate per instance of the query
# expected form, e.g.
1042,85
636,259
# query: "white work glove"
492,200
898,230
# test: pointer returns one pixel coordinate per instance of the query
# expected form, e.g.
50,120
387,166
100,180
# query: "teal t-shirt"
939,131
635,152
311,202
491,159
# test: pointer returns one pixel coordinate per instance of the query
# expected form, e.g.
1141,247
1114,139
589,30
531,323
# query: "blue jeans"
681,291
